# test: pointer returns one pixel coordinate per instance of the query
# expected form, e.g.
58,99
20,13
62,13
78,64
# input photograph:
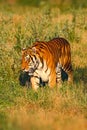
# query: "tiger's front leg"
52,79
35,82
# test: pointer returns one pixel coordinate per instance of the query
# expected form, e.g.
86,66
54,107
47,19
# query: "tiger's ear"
23,50
34,49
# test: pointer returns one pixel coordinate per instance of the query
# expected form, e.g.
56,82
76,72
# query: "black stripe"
41,59
31,58
35,57
46,69
49,74
36,73
68,67
41,50
36,77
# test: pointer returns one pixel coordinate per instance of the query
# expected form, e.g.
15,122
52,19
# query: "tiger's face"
29,60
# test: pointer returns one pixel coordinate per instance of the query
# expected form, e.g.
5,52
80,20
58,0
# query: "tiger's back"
59,49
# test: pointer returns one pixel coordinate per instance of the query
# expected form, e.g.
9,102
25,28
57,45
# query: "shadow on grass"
80,75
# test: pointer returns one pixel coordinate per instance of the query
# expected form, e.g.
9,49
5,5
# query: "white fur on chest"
43,73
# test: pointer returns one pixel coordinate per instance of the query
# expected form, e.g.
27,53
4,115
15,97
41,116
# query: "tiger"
45,59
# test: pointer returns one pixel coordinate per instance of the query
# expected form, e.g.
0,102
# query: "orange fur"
54,52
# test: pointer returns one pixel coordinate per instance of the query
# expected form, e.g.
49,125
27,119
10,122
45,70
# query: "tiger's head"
30,61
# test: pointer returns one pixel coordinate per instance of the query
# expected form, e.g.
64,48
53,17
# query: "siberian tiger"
45,60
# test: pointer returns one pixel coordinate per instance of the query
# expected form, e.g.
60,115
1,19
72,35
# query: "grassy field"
63,108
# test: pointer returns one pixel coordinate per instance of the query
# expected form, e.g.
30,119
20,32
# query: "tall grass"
59,108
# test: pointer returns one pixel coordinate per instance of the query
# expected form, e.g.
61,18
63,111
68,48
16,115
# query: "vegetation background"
21,23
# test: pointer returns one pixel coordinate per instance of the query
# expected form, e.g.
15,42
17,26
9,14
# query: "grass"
61,108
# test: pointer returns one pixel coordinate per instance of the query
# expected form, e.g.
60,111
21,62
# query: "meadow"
63,108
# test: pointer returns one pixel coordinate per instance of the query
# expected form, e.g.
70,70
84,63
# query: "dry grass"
64,108
30,116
